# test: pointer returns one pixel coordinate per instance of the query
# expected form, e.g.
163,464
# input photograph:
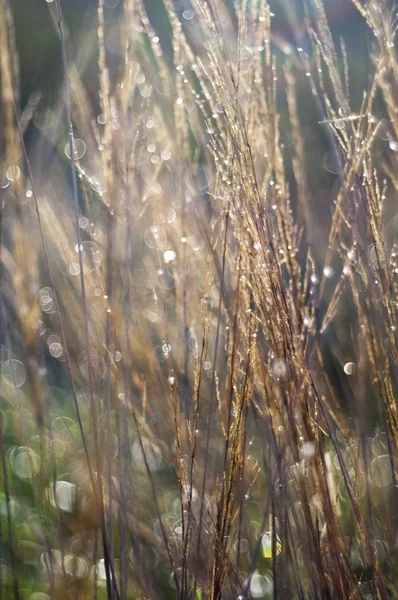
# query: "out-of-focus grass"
198,307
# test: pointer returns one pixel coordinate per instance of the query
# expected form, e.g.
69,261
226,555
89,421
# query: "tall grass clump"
198,304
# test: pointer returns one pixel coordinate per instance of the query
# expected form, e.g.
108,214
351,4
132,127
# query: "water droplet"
280,369
101,571
328,272
243,546
380,470
24,462
74,269
393,145
43,118
349,368
188,14
13,173
54,559
215,291
266,543
91,256
75,566
83,222
155,236
13,373
56,349
308,449
65,495
79,149
46,299
346,271
165,154
339,124
97,362
158,352
260,585
380,444
169,255
351,255
332,160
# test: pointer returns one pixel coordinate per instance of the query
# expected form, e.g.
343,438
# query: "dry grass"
197,400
